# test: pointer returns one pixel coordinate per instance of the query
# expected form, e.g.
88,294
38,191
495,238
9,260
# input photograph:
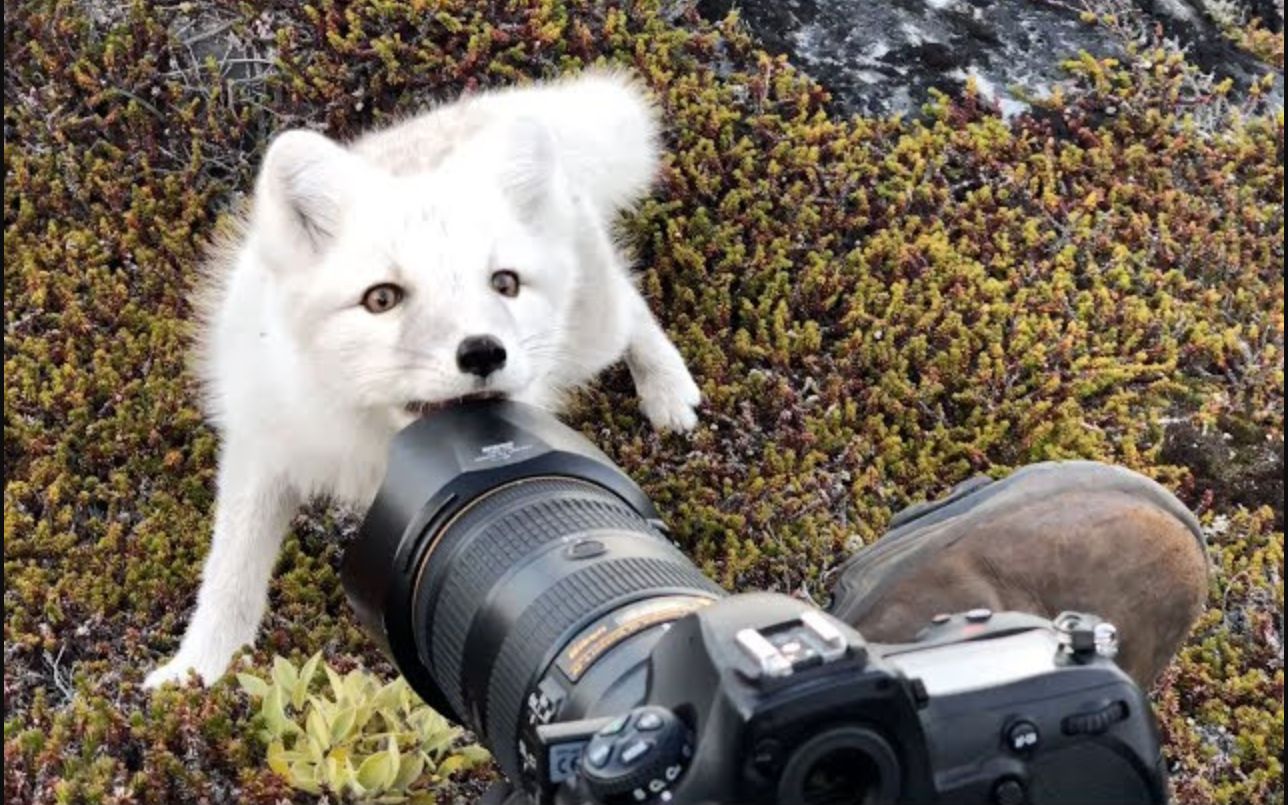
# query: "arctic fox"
466,251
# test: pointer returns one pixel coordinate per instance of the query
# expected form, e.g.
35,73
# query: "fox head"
402,291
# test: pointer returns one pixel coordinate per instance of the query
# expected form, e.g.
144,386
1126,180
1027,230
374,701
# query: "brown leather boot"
1070,535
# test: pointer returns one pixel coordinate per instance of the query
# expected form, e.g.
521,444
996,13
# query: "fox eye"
382,298
505,282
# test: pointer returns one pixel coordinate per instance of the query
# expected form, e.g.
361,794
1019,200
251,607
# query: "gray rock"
881,57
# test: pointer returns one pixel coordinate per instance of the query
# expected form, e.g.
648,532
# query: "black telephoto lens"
498,538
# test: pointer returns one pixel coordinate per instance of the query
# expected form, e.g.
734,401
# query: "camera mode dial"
637,757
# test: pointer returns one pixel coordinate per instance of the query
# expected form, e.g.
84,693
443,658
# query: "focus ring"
497,533
564,607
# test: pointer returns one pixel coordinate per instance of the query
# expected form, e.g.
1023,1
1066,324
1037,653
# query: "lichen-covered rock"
875,310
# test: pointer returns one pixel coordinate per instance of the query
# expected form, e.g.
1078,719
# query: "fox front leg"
668,395
252,511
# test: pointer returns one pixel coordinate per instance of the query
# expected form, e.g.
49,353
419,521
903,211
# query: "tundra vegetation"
874,308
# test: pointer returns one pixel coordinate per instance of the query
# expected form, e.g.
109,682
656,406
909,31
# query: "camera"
527,588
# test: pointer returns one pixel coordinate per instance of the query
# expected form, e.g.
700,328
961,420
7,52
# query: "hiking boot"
1056,536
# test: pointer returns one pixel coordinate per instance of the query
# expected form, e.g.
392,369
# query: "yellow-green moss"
875,310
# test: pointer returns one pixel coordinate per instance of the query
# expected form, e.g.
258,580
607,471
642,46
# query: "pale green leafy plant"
354,735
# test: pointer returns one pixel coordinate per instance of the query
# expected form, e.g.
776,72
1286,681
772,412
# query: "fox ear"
302,186
530,172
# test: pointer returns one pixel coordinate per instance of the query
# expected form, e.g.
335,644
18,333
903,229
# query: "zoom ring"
495,536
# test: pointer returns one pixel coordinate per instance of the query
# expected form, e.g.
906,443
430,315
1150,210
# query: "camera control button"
941,619
1010,791
599,753
920,696
585,549
1022,737
616,725
642,764
635,750
647,722
1095,721
979,615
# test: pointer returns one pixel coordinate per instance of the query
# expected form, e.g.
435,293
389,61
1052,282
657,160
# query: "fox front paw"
208,670
670,400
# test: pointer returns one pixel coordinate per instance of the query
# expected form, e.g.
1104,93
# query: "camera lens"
847,765
508,582
504,552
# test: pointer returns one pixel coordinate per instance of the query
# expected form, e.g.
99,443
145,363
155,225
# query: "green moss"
875,309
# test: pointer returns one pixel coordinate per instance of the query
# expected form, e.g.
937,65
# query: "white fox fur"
307,386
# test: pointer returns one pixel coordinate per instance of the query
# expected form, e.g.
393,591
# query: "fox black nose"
480,355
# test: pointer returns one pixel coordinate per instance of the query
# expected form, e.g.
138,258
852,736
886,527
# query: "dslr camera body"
526,587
